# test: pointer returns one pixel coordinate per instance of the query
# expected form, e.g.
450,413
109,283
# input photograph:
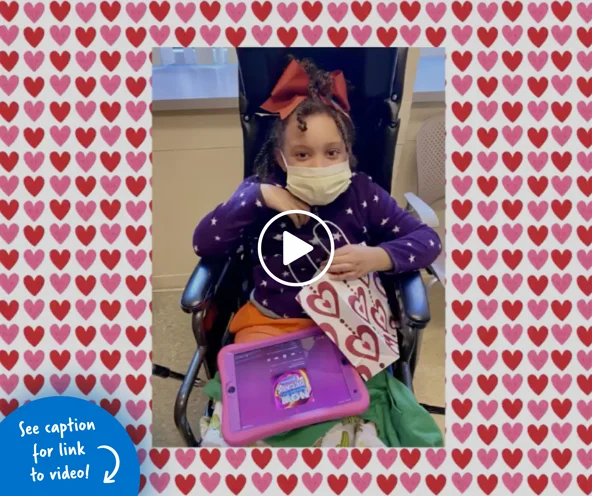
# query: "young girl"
307,164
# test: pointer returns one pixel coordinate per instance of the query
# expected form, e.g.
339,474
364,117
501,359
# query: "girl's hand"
282,200
355,261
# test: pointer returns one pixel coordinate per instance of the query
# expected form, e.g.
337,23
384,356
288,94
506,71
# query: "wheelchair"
216,290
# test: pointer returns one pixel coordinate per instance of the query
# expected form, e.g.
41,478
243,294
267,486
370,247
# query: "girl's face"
321,145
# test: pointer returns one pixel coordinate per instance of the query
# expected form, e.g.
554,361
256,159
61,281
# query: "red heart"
85,335
487,184
34,234
361,10
386,484
287,483
136,433
462,408
538,36
160,10
361,457
8,111
33,36
7,209
34,284
462,161
585,483
8,11
332,304
462,60
59,310
487,36
487,384
112,407
110,310
487,136
462,259
462,458
288,36
585,284
236,36
85,36
379,315
512,110
261,457
85,384
512,457
361,348
59,258
512,358
110,160
160,457
236,484
110,259
585,234
410,457
185,484
435,36
561,408
410,10
585,36
538,384
33,86
387,36
135,86
462,11
487,284
512,258
8,259
359,305
8,60
261,10
34,184
60,60
487,483
59,359
209,458
512,60
585,86
512,407
487,336
561,457
512,208
34,336
135,136
585,433
85,234
34,136
462,359
538,185
487,234
538,284
85,86
436,484
462,111
585,384
110,10
462,309
135,384
8,359
487,85
135,335
312,457
8,161
561,10
110,359
561,60
462,208
538,484
561,309
561,259
487,433
34,384
538,86
210,11
561,160
110,60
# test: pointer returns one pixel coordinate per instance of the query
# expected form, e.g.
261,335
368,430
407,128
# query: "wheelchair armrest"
413,298
425,213
202,283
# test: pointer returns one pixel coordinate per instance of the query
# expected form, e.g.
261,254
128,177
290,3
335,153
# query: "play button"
293,248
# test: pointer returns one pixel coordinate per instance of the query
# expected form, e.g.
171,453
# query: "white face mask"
318,185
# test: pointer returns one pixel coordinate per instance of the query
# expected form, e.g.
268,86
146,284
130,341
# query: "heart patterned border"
76,237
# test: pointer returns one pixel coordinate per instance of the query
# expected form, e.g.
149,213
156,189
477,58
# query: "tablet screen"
279,381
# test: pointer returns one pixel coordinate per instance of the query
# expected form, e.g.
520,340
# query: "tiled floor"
173,346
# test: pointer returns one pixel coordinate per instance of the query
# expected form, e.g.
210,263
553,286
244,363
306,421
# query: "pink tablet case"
280,384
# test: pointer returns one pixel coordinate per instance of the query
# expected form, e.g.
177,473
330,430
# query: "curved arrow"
108,479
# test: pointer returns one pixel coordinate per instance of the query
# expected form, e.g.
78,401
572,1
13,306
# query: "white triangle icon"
293,248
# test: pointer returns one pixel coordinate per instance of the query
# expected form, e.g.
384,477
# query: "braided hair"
320,86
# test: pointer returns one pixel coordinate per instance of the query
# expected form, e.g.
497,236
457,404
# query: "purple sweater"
364,213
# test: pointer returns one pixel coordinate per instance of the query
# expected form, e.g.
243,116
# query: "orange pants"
249,324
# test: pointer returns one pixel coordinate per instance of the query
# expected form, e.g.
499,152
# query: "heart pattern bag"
356,316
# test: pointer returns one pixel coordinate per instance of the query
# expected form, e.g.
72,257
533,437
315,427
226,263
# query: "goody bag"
355,315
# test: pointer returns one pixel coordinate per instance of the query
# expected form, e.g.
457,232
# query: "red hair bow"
292,89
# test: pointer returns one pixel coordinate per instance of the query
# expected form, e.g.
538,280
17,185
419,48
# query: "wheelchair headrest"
377,76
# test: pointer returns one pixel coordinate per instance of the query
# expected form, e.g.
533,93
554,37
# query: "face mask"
318,185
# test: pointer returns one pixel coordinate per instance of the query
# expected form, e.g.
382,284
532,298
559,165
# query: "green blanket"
400,420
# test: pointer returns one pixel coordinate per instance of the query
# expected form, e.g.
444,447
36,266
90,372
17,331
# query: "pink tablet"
280,384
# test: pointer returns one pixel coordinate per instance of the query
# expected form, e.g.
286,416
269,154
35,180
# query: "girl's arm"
220,232
410,244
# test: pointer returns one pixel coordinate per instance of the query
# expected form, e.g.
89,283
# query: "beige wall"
197,163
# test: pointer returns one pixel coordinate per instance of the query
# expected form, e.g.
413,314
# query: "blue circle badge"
67,447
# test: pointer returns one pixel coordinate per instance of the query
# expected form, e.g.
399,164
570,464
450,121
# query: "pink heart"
512,84
110,333
387,11
538,11
160,481
136,409
487,11
538,60
512,333
487,111
136,359
410,33
561,432
512,282
585,110
60,135
462,431
512,383
110,34
538,308
185,457
462,233
110,383
462,34
561,34
585,259
512,431
59,384
312,481
59,84
186,11
262,481
561,384
110,184
538,359
34,210
210,34
136,60
561,84
261,34
8,383
561,282
436,11
561,481
135,11
487,408
337,12
585,409
8,333
136,110
34,308
136,259
34,258
85,259
288,11
60,282
161,33
585,160
387,457
338,458
361,34
462,184
538,160
585,60
361,481
410,481
86,308
462,482
585,11
312,34
512,481
487,209
8,34
512,134
538,409
135,308
462,135
487,258
462,283
110,282
235,12
85,358
487,457
8,135
436,457
8,184
8,84
110,84
512,184
512,34
34,11
462,84
59,333
585,308
487,359
487,60
538,259
561,333
86,60
462,383
561,184
462,333
60,232
86,11
236,457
